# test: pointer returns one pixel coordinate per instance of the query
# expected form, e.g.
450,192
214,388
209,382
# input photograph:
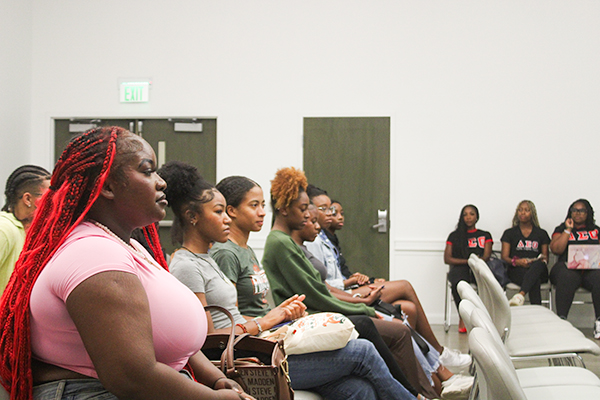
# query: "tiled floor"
458,341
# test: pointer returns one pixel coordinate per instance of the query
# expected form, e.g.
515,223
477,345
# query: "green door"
350,158
198,148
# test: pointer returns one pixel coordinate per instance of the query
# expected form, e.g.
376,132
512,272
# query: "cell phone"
280,325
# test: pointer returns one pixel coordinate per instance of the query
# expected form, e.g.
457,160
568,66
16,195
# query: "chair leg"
448,306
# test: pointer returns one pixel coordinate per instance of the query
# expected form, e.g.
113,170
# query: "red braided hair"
78,177
151,234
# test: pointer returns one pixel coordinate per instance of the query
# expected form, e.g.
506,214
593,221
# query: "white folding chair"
529,330
448,303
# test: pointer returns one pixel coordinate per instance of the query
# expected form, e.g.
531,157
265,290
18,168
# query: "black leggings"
530,279
567,281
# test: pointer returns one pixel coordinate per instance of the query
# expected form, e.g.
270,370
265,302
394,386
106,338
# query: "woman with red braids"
88,312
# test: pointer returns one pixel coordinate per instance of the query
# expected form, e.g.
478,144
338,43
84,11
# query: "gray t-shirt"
201,274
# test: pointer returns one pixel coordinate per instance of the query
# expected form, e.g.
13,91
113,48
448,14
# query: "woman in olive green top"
289,271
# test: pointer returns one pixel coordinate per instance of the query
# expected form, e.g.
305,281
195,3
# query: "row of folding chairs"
582,295
500,335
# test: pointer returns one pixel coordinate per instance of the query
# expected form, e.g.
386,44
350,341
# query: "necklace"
128,246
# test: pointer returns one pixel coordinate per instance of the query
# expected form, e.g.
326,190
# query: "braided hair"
78,177
26,178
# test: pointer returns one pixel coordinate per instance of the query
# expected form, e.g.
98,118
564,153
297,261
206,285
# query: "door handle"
381,225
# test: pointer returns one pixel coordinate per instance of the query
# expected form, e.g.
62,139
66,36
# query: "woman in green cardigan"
289,271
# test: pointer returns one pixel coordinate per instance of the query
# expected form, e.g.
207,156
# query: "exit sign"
134,92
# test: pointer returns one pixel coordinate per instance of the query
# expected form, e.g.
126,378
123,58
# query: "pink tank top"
179,324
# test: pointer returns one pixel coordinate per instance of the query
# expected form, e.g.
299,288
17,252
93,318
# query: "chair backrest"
465,309
466,291
497,378
481,320
492,295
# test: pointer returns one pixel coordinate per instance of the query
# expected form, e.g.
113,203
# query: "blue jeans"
76,389
355,372
72,389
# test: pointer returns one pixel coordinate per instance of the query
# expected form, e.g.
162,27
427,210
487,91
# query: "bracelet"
258,326
218,379
567,232
514,261
243,328
358,295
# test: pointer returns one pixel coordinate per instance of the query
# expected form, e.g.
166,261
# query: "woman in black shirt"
525,251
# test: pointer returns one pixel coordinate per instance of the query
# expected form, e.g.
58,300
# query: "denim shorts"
76,389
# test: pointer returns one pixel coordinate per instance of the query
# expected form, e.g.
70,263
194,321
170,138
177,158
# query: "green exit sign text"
134,92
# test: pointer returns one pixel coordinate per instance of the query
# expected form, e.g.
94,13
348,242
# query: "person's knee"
410,309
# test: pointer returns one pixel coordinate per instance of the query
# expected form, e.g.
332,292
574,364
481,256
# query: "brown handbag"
258,365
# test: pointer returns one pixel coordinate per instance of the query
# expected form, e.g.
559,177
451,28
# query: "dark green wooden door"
350,158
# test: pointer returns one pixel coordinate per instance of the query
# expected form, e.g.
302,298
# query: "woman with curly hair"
289,271
88,312
525,251
579,227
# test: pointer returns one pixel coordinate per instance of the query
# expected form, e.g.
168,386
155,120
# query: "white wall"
491,101
15,86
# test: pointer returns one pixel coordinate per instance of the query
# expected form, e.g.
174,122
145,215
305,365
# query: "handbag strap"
227,360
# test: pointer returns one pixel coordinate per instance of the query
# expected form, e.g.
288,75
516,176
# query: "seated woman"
461,243
396,292
453,385
200,219
24,188
579,228
290,271
88,313
525,251
245,207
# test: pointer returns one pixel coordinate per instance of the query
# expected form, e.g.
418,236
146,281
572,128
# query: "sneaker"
451,359
517,300
597,329
458,387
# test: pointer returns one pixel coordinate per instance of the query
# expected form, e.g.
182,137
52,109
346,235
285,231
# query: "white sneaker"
458,387
597,329
517,300
454,359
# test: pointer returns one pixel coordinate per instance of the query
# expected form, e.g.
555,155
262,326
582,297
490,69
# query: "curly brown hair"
286,187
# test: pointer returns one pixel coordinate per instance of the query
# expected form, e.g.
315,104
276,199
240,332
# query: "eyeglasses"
578,210
325,209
